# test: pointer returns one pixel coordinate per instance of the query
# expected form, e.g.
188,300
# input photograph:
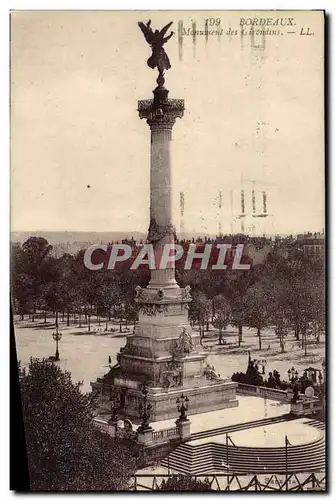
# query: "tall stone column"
164,353
161,114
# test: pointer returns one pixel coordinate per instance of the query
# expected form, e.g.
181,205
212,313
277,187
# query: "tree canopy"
65,451
277,288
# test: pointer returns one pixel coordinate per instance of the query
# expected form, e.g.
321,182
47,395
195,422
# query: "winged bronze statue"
156,39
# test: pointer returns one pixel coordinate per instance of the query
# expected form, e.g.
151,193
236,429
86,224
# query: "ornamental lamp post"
295,394
293,377
321,388
263,366
114,406
182,407
310,372
320,377
56,335
292,374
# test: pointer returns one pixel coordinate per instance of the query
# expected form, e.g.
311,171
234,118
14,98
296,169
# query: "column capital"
161,114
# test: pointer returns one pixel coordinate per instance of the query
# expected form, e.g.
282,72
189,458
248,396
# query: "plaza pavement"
249,408
86,355
273,435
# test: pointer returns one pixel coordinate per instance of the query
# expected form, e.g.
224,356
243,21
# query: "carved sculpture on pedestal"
210,373
183,345
171,375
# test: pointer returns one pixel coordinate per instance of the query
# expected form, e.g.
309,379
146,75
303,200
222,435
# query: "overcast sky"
250,113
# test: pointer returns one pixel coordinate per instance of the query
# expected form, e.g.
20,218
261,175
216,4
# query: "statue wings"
164,30
147,31
149,34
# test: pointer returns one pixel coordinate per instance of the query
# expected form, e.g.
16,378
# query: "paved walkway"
86,355
249,408
272,435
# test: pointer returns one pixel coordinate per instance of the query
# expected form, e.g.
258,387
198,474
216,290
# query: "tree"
281,320
65,451
258,303
131,313
237,287
317,304
36,257
222,312
21,290
36,250
238,318
68,284
108,296
278,309
282,331
29,271
302,293
184,483
55,288
200,311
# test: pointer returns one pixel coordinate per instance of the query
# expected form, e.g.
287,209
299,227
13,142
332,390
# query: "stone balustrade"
165,435
149,437
104,426
261,391
306,406
181,431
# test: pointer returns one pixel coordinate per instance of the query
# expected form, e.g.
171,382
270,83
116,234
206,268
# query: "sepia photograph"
167,250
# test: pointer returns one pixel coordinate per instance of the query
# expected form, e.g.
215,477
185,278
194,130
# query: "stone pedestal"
145,437
112,429
164,353
184,429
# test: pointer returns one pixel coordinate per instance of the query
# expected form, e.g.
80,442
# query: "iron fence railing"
315,481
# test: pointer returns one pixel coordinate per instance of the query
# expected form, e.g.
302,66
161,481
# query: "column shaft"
161,114
160,177
161,202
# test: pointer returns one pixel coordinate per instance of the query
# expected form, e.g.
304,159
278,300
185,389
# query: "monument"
164,354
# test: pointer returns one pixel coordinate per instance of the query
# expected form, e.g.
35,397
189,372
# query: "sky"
253,117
